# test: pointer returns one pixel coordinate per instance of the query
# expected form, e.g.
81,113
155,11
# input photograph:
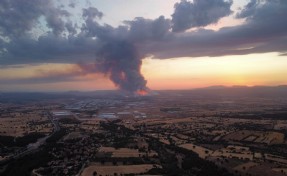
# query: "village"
163,135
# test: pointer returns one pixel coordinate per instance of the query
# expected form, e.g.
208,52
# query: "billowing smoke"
39,31
119,60
116,55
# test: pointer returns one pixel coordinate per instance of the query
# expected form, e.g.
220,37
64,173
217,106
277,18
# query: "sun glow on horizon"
177,73
185,73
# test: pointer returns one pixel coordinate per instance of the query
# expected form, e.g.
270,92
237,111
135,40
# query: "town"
202,132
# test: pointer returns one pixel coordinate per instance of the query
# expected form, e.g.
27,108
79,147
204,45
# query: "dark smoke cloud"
117,55
142,29
117,52
199,13
120,61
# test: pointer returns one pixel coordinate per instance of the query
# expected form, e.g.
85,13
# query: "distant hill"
245,91
207,92
233,92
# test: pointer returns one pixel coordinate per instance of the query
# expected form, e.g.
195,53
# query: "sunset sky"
133,44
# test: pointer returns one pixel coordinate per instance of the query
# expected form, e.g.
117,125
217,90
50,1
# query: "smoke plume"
119,60
40,31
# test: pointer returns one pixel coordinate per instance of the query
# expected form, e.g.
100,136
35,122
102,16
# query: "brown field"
264,170
245,166
111,170
282,170
153,121
19,126
275,158
73,135
92,125
223,152
256,136
201,151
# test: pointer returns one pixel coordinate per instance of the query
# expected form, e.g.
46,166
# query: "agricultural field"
117,170
256,136
201,151
25,124
73,135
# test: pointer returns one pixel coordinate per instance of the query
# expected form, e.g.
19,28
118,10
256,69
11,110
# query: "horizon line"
118,90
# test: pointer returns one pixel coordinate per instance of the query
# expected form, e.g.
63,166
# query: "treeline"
69,120
122,135
191,163
24,165
23,141
56,136
256,115
38,159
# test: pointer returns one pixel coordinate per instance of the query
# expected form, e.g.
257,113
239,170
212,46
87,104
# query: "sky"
136,45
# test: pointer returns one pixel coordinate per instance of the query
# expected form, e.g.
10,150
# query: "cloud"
91,13
199,13
72,4
18,17
141,29
117,52
72,73
55,21
266,25
265,30
249,9
48,49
